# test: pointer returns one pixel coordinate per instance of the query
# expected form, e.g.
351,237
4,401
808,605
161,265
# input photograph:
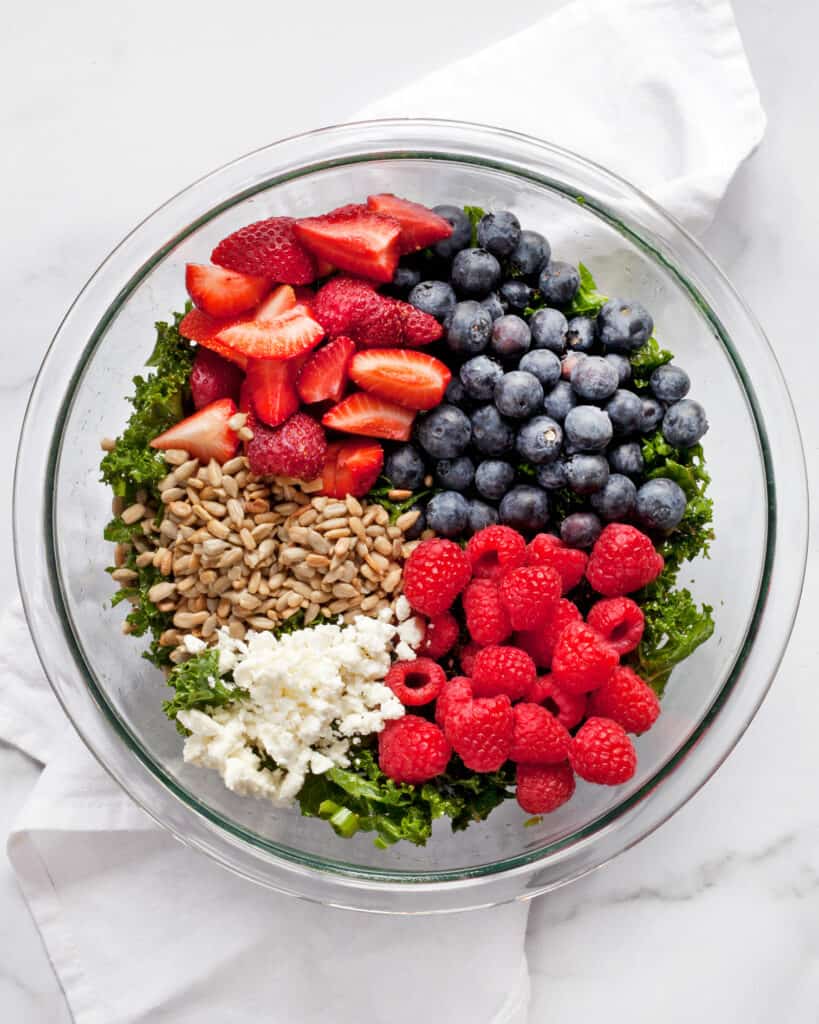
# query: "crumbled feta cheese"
410,635
193,645
402,609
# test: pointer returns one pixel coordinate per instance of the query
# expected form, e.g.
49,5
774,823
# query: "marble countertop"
714,917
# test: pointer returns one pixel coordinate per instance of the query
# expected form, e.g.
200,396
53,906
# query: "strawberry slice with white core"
325,373
271,389
351,467
205,435
412,379
203,329
354,239
289,334
279,301
420,226
221,292
371,416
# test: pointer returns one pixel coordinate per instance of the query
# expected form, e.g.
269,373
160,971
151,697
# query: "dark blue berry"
491,434
580,335
616,500
594,379
481,515
516,294
448,514
587,473
539,440
559,401
444,433
510,336
525,508
499,233
493,305
684,423
544,365
625,411
652,415
552,475
468,328
456,394
493,478
626,459
531,254
588,429
569,362
558,283
434,297
461,235
580,529
479,375
404,468
455,474
621,364
669,383
518,394
475,272
549,327
405,278
624,326
660,504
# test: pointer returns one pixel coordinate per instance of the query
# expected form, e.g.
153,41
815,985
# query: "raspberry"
297,448
543,788
466,656
486,617
440,636
620,621
568,708
416,682
457,690
623,559
538,737
582,660
627,700
495,550
539,644
505,670
411,749
268,248
569,563
530,595
601,752
434,574
480,732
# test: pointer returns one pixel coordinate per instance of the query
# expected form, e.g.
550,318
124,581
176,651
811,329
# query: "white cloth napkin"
658,90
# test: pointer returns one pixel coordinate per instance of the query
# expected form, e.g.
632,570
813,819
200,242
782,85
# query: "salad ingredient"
580,529
475,272
494,551
539,644
518,394
197,684
290,334
622,560
444,432
420,226
324,376
525,508
481,731
624,326
412,379
440,636
461,235
529,595
415,683
223,293
530,255
511,336
499,233
457,690
413,750
268,248
434,574
448,514
297,448
538,737
351,467
627,700
436,298
570,564
271,389
455,474
206,435
620,622
616,500
502,670
278,301
487,619
213,377
541,789
366,414
684,423
582,659
558,283
568,708
354,239
601,752
660,504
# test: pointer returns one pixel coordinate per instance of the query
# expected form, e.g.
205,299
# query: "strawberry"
353,308
223,292
417,327
271,389
370,416
289,335
279,301
351,467
213,377
420,227
297,448
204,329
206,434
412,379
268,248
353,239
325,373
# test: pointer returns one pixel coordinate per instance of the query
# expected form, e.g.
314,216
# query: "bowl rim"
50,619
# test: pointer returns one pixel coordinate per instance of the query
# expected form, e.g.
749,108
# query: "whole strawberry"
542,788
538,738
502,670
434,574
456,691
268,248
568,708
440,636
582,660
539,644
601,752
412,750
569,563
623,559
530,595
481,731
627,700
213,377
296,449
495,550
620,621
486,618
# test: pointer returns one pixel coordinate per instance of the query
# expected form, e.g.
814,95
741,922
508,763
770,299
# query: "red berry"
570,563
466,656
420,226
268,247
354,239
365,414
540,643
297,448
582,660
413,750
440,636
271,389
622,560
347,306
205,435
601,752
417,327
494,551
568,708
416,682
412,379
502,670
351,467
627,700
538,737
541,789
480,732
434,574
224,293
324,375
212,378
290,334
530,595
279,301
620,620
486,618
457,690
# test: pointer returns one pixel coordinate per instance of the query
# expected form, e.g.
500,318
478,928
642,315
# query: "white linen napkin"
658,90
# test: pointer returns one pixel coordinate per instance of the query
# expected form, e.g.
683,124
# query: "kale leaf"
198,684
475,213
380,495
588,301
646,360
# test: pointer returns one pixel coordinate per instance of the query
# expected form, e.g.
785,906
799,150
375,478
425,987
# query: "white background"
106,109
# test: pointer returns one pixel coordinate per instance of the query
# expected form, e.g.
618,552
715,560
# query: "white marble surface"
108,109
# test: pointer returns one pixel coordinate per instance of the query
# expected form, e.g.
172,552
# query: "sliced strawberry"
351,467
420,226
213,377
204,329
325,373
289,335
223,292
355,240
417,327
269,248
370,416
271,389
412,379
206,434
279,301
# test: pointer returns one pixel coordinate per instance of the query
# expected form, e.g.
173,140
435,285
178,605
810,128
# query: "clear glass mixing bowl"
753,578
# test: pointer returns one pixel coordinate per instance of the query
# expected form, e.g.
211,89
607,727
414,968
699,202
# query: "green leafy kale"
144,616
197,684
588,301
380,495
475,213
646,360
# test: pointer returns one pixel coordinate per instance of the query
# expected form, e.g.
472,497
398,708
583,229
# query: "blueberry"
434,297
549,327
539,440
444,433
627,459
418,527
552,475
448,513
559,401
493,478
525,508
456,394
624,326
468,328
499,233
493,305
569,362
620,364
461,235
580,529
475,272
518,394
625,411
616,500
652,417
544,365
491,434
558,283
580,335
516,294
660,504
481,515
670,383
404,468
510,336
405,278
684,423
479,375
531,254
594,379
455,474
587,473
588,428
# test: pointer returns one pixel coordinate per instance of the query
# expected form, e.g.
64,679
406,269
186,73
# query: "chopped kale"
646,360
588,301
197,684
380,495
475,213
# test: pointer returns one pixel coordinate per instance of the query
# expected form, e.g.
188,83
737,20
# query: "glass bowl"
753,578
